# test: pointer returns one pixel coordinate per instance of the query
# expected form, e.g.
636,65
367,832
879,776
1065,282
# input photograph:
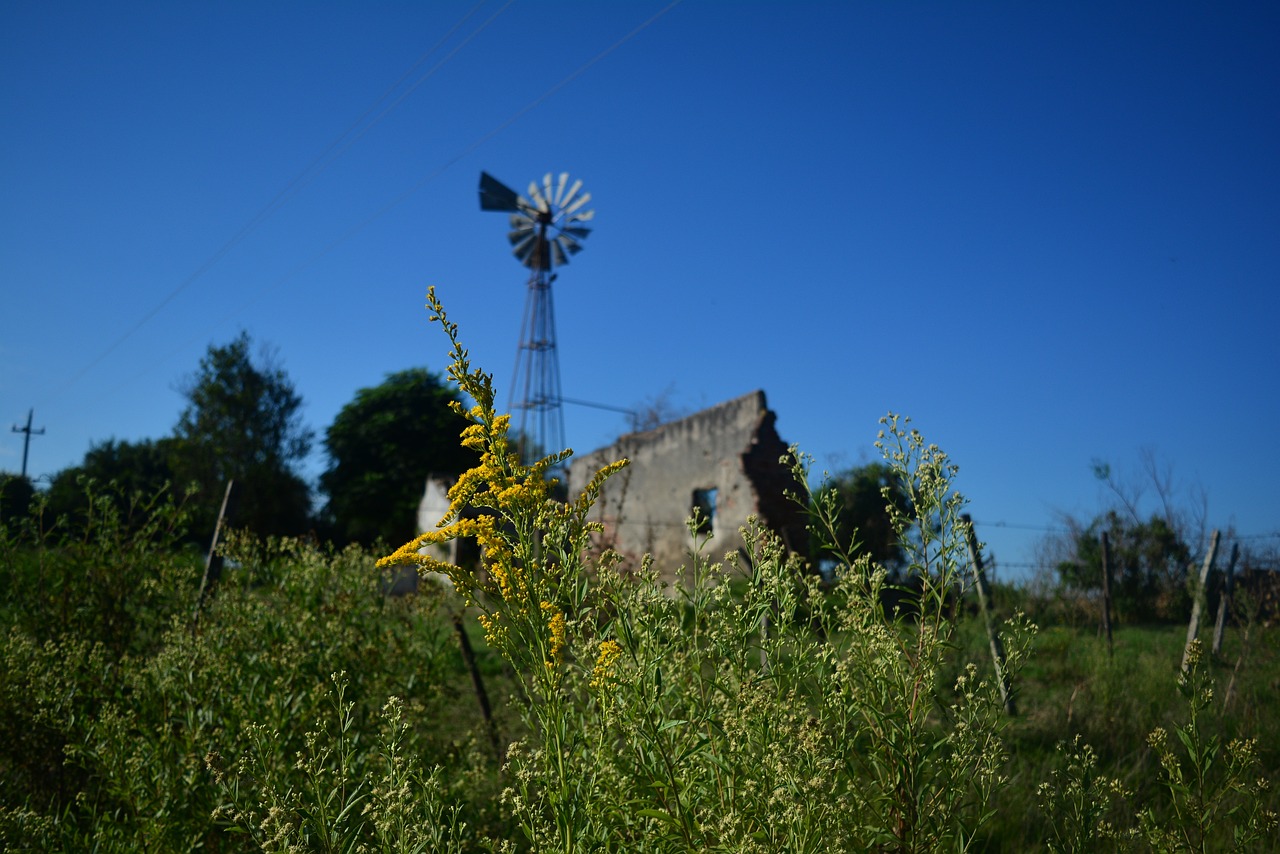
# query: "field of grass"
161,737
1072,687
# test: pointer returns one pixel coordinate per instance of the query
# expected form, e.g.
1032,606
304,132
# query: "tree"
16,492
381,448
1148,563
654,411
139,469
1150,553
243,421
865,494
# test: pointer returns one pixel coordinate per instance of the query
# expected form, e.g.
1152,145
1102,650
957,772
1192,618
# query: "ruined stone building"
724,461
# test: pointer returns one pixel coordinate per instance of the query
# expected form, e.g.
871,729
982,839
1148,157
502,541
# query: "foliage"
1148,562
1153,543
112,578
1215,793
748,707
345,798
139,469
16,492
80,601
113,736
700,717
865,494
243,421
382,446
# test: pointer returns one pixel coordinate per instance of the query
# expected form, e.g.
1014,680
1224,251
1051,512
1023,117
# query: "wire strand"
299,182
404,196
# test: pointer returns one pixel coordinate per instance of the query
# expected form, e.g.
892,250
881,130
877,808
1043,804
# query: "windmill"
546,228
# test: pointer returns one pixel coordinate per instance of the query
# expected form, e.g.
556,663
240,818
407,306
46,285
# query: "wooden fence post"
477,682
993,634
1106,592
213,561
1193,627
1224,600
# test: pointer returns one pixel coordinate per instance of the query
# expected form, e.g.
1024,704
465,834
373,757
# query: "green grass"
1072,687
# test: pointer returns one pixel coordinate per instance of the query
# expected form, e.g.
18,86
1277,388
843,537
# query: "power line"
605,406
404,196
1021,526
1053,529
299,182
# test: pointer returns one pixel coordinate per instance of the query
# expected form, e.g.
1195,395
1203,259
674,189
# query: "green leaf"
659,814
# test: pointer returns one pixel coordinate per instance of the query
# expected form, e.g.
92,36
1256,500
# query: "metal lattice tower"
546,228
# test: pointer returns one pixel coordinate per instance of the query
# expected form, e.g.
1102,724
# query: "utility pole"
26,441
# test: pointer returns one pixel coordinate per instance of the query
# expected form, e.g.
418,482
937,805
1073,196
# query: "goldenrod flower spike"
556,628
606,659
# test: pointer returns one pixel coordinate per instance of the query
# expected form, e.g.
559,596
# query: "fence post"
993,634
477,682
1193,627
1106,592
213,561
1224,600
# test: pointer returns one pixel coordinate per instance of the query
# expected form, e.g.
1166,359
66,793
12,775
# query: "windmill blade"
558,256
521,221
569,245
582,200
564,179
538,200
576,231
584,216
573,191
525,250
547,192
496,196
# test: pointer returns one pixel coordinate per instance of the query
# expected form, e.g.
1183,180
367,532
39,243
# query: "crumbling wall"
724,459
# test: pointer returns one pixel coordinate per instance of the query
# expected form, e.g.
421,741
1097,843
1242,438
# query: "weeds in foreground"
1215,790
337,797
747,707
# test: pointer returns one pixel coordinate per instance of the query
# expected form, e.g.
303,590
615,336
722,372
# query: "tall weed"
745,708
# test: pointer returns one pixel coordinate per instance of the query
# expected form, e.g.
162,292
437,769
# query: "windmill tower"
546,228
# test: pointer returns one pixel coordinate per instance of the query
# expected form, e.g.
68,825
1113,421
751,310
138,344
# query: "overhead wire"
299,182
405,195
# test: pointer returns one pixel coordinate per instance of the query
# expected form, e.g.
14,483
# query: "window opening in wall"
704,503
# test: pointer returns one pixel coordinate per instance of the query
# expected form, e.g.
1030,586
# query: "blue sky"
1050,233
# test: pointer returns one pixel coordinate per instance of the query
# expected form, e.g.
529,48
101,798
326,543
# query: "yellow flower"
555,625
606,660
495,631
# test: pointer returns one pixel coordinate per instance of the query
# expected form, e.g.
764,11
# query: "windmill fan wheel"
547,226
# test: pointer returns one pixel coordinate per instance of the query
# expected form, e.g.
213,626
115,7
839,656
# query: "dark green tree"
1148,563
243,421
381,448
865,494
16,492
136,468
